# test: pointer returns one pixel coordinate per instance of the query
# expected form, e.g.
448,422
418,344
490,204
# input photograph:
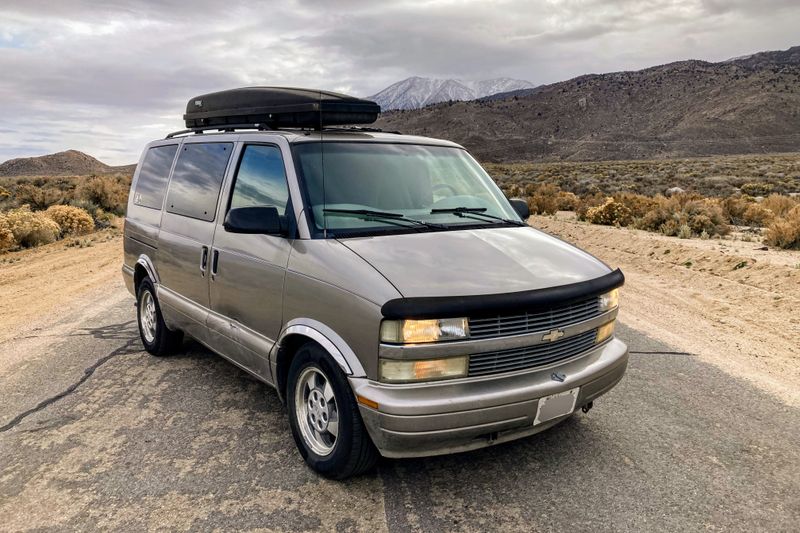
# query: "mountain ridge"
416,92
65,163
679,109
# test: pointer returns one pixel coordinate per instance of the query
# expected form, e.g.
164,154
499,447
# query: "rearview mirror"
521,207
258,220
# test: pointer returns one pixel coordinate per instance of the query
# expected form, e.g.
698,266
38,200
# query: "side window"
196,180
153,176
261,179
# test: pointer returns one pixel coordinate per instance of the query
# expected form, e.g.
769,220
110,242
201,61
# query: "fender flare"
147,264
326,337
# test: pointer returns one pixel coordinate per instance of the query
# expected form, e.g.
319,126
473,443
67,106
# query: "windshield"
397,187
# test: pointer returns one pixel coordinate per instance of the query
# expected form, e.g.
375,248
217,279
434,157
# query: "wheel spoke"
327,392
333,427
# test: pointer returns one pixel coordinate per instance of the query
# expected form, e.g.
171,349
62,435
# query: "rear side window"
196,180
153,176
261,179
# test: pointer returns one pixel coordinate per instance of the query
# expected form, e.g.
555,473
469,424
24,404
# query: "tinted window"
153,176
261,179
194,189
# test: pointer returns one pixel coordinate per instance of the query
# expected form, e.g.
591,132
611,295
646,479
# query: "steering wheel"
438,186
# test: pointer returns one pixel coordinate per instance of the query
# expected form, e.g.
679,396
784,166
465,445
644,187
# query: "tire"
349,451
158,340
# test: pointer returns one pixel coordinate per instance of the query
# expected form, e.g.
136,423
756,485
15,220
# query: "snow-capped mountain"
416,92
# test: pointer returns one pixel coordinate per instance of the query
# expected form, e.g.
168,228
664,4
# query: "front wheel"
324,417
156,337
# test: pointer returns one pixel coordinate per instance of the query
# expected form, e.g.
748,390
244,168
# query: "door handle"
214,263
203,260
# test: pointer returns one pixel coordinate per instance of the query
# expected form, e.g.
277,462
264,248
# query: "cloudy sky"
105,77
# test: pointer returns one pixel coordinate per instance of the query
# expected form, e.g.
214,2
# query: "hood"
475,262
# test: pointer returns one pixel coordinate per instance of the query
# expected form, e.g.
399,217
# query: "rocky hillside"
416,92
68,163
689,108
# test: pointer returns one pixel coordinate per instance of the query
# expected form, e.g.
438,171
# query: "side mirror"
258,220
521,207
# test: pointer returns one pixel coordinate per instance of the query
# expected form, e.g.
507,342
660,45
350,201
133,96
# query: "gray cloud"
106,77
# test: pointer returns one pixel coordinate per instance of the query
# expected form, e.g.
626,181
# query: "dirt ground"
731,303
40,285
728,302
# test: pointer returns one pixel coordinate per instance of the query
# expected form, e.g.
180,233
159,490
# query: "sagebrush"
31,228
72,220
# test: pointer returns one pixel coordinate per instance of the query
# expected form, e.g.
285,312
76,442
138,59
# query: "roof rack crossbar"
219,127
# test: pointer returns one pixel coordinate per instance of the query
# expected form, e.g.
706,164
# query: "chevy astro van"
396,300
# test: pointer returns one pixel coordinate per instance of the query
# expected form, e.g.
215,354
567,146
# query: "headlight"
432,330
604,332
396,371
609,300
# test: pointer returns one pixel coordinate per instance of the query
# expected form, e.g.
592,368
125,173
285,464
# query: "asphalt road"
95,433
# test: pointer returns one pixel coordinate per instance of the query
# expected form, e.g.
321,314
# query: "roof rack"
360,128
226,127
264,127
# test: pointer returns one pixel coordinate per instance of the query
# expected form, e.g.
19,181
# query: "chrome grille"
521,323
482,364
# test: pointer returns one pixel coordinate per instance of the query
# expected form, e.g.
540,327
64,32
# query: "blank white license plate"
556,405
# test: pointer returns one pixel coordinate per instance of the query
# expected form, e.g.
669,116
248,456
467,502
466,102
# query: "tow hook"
587,407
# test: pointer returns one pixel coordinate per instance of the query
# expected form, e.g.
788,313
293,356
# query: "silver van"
381,283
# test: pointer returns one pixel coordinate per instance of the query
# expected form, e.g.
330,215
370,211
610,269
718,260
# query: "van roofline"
306,135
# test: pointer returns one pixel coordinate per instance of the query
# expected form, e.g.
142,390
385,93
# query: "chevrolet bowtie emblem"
553,335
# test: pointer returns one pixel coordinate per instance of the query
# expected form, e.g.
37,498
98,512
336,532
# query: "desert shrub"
746,211
31,228
4,193
72,220
36,196
685,232
785,232
756,188
637,204
609,213
734,208
567,201
588,202
108,192
693,211
757,215
7,240
102,219
779,204
543,198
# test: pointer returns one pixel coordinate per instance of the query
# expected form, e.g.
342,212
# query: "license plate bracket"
556,405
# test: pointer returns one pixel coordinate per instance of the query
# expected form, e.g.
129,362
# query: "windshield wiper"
474,212
384,216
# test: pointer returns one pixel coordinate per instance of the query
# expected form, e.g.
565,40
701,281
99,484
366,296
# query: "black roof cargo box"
278,107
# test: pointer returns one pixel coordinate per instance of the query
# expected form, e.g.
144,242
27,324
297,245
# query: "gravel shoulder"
41,286
731,303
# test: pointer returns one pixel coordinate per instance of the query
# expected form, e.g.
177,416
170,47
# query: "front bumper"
445,417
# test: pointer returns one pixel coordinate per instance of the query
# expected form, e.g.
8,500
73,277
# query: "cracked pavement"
97,434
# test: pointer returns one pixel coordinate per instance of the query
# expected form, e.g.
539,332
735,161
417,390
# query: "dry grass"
719,176
785,232
720,194
108,192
